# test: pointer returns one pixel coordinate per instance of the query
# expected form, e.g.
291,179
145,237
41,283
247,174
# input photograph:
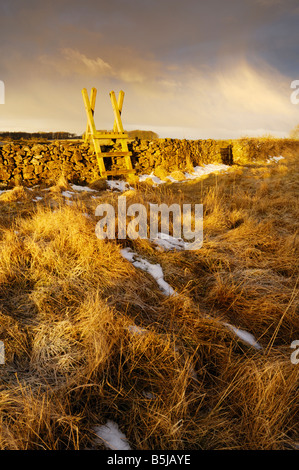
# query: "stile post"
117,133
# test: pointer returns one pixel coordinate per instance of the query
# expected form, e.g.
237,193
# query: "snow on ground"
155,270
113,438
67,193
244,336
119,185
167,242
154,178
206,169
81,188
149,395
136,329
274,159
197,173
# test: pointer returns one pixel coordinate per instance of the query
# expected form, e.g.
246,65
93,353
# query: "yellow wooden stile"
120,107
93,95
118,133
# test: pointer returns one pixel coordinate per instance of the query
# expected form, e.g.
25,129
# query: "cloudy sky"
189,69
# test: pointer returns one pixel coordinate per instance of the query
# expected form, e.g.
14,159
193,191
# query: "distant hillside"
59,135
62,135
138,134
145,135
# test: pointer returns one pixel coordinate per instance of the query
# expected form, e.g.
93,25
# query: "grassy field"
89,337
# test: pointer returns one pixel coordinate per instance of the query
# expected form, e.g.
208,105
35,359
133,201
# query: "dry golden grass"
88,337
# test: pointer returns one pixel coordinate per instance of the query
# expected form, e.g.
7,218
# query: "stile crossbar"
118,133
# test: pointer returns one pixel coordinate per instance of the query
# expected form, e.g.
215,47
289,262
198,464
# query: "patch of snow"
119,185
155,270
206,169
149,395
167,242
172,179
81,188
37,198
128,254
136,329
113,438
67,193
245,336
154,178
275,159
197,173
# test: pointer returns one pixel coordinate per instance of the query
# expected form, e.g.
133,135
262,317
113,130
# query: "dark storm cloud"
201,58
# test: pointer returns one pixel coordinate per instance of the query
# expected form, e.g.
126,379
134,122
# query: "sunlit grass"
88,337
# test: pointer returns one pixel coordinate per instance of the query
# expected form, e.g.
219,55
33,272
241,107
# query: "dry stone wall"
30,163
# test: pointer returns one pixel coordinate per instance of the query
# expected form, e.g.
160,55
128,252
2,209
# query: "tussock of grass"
16,194
88,337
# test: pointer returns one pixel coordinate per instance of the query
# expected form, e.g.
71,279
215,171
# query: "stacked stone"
175,154
34,163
